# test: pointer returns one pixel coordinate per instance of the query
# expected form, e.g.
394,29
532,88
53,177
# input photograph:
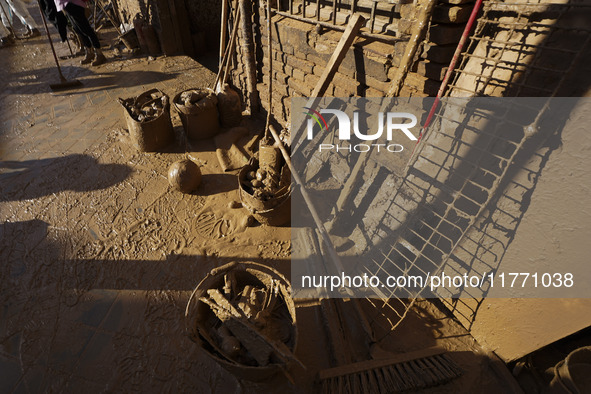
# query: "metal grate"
382,17
469,181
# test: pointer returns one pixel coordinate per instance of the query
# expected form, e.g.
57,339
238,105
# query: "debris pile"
229,107
268,178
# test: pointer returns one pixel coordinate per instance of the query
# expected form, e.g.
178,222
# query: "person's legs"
5,15
21,11
5,36
78,18
83,28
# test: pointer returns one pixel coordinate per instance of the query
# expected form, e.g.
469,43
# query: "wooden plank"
337,57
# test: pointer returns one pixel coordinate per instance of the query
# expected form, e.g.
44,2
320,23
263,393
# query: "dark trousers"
82,26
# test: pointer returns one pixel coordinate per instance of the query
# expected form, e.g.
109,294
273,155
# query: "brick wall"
300,54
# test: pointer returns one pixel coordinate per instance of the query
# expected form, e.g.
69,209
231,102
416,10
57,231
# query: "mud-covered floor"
99,255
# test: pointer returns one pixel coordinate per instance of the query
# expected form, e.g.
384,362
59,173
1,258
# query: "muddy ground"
99,255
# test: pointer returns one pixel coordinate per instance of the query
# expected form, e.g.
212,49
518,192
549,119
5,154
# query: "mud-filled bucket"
148,120
253,343
198,111
270,209
573,374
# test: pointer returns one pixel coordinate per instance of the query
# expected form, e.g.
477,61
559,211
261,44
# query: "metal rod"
452,66
374,6
334,11
223,31
318,10
377,37
270,50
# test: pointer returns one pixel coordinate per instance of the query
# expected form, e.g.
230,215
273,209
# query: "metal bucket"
273,212
198,315
153,135
573,374
200,121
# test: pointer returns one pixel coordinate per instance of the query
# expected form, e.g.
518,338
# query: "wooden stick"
247,43
338,55
223,70
270,51
319,225
418,32
223,32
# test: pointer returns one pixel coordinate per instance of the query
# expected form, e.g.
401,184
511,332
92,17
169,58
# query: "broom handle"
321,229
226,58
59,69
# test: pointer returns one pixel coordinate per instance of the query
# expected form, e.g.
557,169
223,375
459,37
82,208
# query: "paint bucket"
200,119
199,318
273,212
573,374
130,39
152,135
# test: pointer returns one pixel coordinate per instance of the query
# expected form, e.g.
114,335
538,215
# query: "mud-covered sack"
229,107
148,120
197,109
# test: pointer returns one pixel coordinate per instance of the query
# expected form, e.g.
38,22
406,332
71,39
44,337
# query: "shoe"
34,32
89,54
99,59
6,41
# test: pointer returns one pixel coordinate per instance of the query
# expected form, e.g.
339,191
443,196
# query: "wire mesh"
470,187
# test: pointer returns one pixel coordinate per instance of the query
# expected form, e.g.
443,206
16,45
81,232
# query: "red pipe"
452,66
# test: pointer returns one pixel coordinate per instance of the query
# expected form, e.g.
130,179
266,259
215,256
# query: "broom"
394,373
64,83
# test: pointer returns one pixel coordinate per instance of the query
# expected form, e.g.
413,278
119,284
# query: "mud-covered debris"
192,97
145,108
266,184
234,204
184,176
252,323
229,107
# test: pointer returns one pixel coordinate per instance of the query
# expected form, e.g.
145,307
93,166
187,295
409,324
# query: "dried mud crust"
99,254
